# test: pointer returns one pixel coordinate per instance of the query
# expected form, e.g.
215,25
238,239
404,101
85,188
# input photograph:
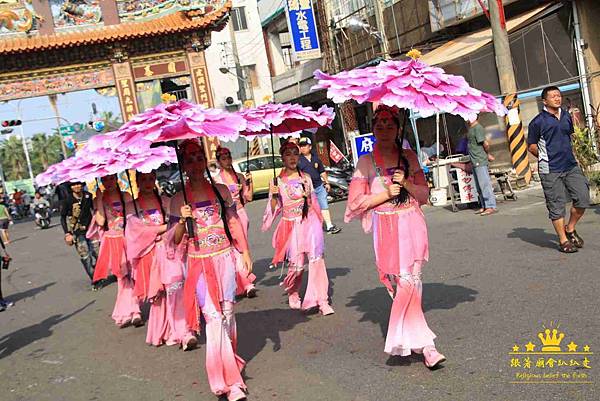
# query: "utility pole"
239,70
508,88
506,74
379,7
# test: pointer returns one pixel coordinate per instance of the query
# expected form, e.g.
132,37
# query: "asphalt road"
491,283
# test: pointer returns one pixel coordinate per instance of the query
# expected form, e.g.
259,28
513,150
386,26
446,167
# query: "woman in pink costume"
158,277
299,234
211,262
111,214
387,191
241,190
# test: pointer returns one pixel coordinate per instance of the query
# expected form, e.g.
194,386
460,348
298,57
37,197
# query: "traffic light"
10,123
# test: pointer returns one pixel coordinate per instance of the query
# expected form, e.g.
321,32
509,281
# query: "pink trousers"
166,323
408,331
126,305
318,284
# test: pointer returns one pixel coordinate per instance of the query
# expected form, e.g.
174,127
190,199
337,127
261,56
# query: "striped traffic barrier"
516,139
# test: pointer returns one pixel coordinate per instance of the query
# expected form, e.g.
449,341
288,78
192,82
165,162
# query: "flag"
334,153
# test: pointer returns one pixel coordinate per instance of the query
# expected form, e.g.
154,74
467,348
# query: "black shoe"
333,229
575,238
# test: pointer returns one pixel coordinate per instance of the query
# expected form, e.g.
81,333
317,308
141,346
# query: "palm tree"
111,121
13,158
46,149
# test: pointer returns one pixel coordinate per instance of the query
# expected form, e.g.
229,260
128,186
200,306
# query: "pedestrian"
479,152
549,139
75,218
299,234
158,277
5,222
210,284
4,262
241,189
111,214
17,198
386,193
313,166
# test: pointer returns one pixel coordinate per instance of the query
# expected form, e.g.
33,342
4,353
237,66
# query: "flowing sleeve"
314,202
140,238
233,221
359,194
270,215
420,189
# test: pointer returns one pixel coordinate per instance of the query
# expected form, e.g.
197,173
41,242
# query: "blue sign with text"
362,145
303,29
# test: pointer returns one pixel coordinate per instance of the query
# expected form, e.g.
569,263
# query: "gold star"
586,348
530,346
516,348
572,347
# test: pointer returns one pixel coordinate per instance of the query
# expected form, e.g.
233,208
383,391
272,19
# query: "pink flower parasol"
409,84
283,119
167,122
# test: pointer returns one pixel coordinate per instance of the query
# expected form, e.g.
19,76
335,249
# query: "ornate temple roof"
177,22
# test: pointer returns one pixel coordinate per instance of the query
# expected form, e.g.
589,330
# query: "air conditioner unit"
232,103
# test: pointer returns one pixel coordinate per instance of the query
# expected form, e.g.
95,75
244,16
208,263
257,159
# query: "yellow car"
261,169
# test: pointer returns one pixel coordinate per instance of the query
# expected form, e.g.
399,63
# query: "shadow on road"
12,241
27,335
29,293
262,325
535,236
375,304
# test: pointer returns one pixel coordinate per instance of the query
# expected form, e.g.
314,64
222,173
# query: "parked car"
261,168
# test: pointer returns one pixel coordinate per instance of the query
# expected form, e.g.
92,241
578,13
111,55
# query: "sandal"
488,212
574,238
567,247
479,211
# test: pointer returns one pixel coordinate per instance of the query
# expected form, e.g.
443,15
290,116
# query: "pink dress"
244,283
210,288
401,249
296,238
158,278
112,257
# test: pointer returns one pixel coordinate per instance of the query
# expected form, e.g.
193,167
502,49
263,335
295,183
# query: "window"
238,18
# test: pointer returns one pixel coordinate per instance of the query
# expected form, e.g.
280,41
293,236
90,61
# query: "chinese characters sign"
466,186
153,71
127,95
303,29
362,145
547,361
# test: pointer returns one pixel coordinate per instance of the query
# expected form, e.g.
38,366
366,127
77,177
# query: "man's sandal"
575,238
567,247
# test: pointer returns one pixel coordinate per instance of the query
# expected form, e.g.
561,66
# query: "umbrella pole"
273,157
188,222
437,144
137,213
247,158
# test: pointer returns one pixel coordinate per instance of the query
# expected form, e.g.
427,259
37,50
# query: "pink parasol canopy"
167,122
283,119
410,84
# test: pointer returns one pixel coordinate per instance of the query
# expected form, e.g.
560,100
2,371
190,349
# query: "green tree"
46,150
13,158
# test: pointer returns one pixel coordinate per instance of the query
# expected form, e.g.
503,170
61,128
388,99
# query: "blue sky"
73,106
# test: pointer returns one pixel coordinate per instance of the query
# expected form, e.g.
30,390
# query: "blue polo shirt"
314,168
553,137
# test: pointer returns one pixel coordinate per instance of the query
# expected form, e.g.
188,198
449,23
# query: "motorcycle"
339,179
42,216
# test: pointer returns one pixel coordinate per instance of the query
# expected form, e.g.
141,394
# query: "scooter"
339,179
42,216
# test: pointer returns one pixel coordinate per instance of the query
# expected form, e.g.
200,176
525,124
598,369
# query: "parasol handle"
273,161
137,213
189,223
247,161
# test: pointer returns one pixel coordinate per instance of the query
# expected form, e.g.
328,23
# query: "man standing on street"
76,217
479,153
549,139
312,165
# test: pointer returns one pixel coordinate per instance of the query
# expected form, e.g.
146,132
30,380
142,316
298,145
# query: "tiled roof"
169,24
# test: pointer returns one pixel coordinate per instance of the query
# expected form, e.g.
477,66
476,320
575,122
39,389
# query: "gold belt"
398,211
209,255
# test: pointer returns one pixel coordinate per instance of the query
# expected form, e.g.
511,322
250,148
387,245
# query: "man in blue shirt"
549,139
312,165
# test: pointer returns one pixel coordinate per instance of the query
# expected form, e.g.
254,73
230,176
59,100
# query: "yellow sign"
548,358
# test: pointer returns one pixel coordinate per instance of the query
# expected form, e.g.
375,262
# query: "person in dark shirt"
312,165
549,139
75,217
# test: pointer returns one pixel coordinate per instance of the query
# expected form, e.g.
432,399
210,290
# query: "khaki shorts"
559,188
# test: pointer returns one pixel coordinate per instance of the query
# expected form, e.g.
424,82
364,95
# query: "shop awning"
467,44
176,22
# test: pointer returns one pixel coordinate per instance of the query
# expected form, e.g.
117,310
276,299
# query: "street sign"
303,29
66,130
362,145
